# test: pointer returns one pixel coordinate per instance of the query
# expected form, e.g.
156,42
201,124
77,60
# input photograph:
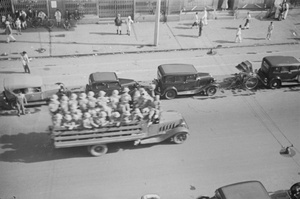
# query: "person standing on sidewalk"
200,27
25,61
57,15
18,26
204,18
248,18
224,5
129,22
238,36
196,20
270,30
118,23
20,103
8,32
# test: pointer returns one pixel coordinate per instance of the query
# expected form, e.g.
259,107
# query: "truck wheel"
170,94
180,138
251,83
275,83
98,150
210,91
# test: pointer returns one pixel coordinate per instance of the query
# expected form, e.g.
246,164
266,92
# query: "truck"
170,126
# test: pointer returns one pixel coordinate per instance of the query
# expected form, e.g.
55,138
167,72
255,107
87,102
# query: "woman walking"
238,36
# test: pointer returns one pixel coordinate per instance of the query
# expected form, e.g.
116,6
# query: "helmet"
115,92
58,116
68,117
54,97
102,93
82,95
73,96
126,90
64,98
87,115
116,114
103,114
91,94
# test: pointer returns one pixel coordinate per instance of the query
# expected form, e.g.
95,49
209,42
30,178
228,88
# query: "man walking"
196,20
57,15
248,18
20,103
238,36
270,30
200,27
8,32
25,61
204,18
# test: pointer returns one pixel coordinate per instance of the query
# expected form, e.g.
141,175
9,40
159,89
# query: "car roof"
103,77
245,190
177,69
279,61
22,81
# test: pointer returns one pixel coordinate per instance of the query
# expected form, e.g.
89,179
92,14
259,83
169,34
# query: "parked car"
109,81
36,92
276,70
183,79
253,190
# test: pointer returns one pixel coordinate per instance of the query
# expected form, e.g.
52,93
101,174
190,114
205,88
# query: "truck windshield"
265,66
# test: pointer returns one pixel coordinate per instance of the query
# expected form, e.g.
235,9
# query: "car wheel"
294,190
251,83
275,83
170,94
98,150
210,91
180,138
12,105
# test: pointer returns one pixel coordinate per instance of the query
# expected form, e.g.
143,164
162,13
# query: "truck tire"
98,150
210,91
180,138
170,94
275,83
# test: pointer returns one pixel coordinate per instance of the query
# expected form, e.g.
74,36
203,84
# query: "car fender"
277,78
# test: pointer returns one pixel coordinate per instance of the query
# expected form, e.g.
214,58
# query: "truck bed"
63,138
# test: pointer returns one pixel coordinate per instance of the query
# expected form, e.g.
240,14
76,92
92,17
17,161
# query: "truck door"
33,94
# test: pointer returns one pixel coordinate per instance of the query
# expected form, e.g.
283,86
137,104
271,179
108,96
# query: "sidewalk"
101,39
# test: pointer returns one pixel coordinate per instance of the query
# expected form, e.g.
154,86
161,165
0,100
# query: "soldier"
54,105
57,120
91,100
64,104
114,100
68,123
83,102
102,101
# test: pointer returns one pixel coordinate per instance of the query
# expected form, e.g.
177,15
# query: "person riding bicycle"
42,15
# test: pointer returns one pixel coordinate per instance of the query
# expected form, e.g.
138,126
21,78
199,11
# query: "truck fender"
169,88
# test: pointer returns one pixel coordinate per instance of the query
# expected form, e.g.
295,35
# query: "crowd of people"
85,111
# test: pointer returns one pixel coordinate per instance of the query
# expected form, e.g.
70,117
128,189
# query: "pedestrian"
285,8
67,15
128,23
224,5
270,30
22,17
57,15
25,61
18,26
8,32
238,36
204,18
200,27
20,103
248,18
196,20
118,23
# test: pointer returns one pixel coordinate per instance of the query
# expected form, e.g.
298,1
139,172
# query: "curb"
150,51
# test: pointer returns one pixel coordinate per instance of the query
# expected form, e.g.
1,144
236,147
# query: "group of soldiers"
85,111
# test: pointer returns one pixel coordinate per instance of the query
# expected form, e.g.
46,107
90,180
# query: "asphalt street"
234,136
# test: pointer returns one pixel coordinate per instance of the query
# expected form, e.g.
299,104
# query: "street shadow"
230,28
7,111
181,27
297,39
103,33
38,147
252,38
295,88
10,72
191,36
224,41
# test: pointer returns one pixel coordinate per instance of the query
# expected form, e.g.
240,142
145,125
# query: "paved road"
235,136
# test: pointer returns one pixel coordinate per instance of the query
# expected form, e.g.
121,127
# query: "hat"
126,90
7,23
91,94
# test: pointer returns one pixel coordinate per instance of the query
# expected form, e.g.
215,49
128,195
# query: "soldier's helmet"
87,115
82,95
54,97
102,93
115,92
91,94
126,90
73,96
58,116
103,114
68,117
64,98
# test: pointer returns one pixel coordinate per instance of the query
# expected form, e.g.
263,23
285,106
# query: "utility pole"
157,17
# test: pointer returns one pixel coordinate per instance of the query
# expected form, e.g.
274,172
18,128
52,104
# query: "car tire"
210,91
170,94
180,138
251,83
98,150
275,83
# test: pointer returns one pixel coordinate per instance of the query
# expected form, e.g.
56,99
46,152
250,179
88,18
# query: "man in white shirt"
25,61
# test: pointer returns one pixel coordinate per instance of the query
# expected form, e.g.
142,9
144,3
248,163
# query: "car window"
170,79
179,79
99,86
285,69
294,68
32,90
113,85
190,78
265,66
277,69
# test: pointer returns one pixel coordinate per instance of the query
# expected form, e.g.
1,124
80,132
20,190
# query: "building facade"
109,8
